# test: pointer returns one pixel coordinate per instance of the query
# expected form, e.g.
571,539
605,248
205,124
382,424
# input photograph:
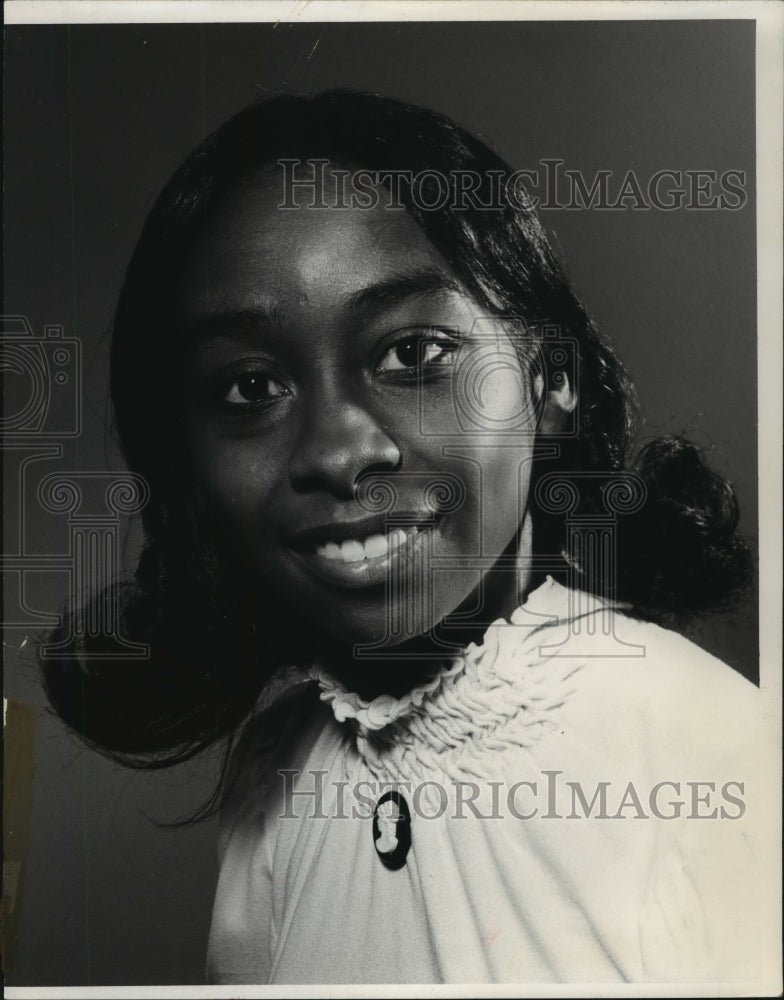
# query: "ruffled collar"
498,697
548,603
379,712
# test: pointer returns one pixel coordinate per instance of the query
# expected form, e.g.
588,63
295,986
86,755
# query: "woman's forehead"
272,200
253,243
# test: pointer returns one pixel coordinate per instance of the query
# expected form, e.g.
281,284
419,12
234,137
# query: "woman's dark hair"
677,553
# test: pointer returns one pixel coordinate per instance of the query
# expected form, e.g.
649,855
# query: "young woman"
396,558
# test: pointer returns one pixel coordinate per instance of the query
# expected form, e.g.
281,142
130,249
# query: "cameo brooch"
392,830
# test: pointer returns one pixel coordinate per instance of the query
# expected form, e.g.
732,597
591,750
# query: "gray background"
97,117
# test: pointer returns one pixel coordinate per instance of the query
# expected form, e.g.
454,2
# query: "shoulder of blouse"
276,727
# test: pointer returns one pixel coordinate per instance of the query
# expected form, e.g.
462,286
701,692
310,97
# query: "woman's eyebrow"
397,288
233,322
374,297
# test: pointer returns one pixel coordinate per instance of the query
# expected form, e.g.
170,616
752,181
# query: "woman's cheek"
235,478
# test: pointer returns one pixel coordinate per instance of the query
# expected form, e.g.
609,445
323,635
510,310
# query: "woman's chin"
371,678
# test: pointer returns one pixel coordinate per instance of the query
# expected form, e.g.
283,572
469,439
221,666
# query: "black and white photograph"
392,498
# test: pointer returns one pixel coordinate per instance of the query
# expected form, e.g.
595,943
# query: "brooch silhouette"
392,830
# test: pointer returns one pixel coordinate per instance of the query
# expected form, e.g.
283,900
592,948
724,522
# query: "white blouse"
584,806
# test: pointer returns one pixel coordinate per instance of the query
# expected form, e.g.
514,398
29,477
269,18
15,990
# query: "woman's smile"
367,561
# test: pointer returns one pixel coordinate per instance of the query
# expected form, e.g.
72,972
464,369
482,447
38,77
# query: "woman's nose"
336,446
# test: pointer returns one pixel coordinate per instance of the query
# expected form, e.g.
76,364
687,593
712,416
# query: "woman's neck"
396,670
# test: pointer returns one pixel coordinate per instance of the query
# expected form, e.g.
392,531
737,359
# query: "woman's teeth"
353,550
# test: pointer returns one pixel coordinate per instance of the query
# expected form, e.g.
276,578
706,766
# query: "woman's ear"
560,400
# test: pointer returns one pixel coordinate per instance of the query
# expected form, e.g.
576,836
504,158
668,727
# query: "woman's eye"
418,352
252,389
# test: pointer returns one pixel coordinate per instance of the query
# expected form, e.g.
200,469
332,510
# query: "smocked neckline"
497,697
374,714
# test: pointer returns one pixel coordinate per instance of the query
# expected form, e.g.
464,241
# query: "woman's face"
334,362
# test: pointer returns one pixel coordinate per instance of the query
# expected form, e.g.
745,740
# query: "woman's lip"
345,530
368,572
